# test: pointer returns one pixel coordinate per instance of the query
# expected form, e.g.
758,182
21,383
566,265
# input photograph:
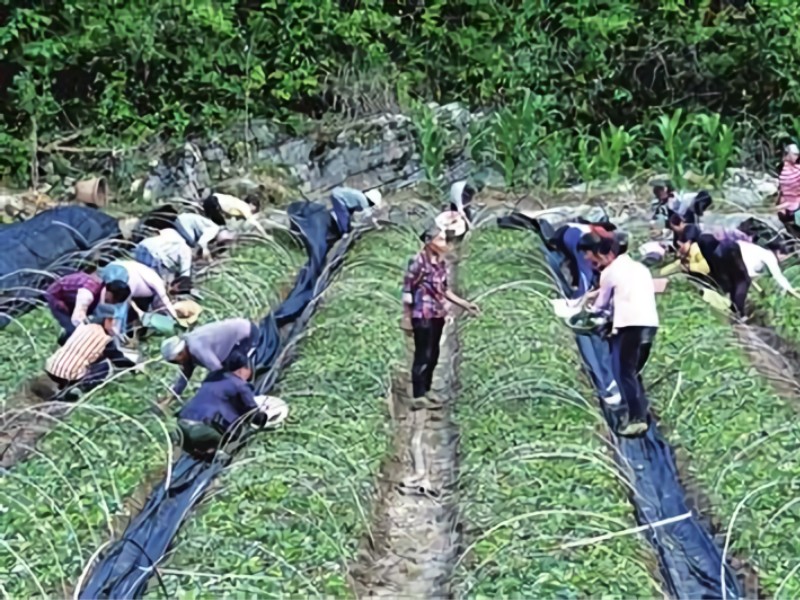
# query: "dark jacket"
222,399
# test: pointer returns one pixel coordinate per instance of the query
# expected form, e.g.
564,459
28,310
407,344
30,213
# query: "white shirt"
171,249
631,285
457,194
756,258
582,227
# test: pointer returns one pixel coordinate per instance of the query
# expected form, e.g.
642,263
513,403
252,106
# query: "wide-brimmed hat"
188,312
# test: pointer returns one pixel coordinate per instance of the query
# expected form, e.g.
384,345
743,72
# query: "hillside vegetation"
578,79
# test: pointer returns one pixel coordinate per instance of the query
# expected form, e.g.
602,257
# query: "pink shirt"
630,284
789,183
145,283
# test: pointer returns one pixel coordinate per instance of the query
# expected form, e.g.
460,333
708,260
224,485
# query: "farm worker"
167,254
452,223
208,346
347,201
74,297
86,357
689,206
567,240
221,405
789,188
200,231
691,259
734,265
635,324
147,289
461,195
219,206
425,291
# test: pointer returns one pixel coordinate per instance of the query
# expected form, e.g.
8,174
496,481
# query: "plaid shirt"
64,292
424,287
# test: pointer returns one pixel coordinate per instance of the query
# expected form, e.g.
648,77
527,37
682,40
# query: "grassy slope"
515,357
55,508
293,506
738,433
26,344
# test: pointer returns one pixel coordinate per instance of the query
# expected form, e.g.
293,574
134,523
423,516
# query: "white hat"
792,149
457,193
375,197
172,347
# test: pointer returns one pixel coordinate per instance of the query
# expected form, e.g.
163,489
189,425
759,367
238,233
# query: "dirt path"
416,531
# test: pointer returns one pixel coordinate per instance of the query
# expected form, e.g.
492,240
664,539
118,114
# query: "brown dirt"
416,532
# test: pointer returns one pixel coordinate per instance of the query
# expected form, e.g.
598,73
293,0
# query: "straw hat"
188,312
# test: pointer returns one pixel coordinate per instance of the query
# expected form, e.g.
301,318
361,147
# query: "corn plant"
719,145
555,149
614,145
432,142
676,142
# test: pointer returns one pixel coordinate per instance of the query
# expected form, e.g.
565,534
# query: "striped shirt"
82,349
171,250
789,185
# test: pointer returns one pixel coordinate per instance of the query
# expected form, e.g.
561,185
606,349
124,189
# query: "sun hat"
172,347
792,149
375,197
188,312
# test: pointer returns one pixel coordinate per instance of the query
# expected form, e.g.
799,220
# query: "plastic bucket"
163,324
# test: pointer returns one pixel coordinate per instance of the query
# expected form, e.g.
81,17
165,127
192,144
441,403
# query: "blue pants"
581,267
342,214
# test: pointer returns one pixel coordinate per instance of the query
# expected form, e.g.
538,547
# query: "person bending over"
74,297
345,202
635,324
425,292
567,240
219,206
224,403
208,346
200,231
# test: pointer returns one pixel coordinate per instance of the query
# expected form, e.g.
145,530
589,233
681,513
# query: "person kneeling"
222,404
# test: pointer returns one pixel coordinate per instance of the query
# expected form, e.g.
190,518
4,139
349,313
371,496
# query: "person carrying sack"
425,291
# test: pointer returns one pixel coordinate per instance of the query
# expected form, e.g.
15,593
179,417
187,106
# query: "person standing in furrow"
425,292
635,323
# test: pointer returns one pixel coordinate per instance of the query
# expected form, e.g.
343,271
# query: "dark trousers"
63,318
630,349
731,274
427,335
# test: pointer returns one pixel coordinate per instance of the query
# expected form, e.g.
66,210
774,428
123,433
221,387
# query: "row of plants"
526,143
742,438
539,487
60,505
292,508
27,342
780,310
121,73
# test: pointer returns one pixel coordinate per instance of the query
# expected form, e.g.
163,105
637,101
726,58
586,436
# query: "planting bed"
742,438
536,473
58,506
27,342
293,505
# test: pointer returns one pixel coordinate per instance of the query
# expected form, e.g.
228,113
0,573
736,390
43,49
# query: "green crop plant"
538,484
27,342
717,139
432,140
291,509
60,505
674,149
615,145
741,438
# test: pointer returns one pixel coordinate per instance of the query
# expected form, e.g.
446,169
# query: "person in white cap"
208,346
789,186
347,201
461,195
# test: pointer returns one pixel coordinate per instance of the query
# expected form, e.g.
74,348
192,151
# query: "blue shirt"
223,398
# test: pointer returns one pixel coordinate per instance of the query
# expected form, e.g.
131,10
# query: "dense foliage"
127,70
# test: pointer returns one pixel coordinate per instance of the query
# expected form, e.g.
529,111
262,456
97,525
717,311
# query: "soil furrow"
416,531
